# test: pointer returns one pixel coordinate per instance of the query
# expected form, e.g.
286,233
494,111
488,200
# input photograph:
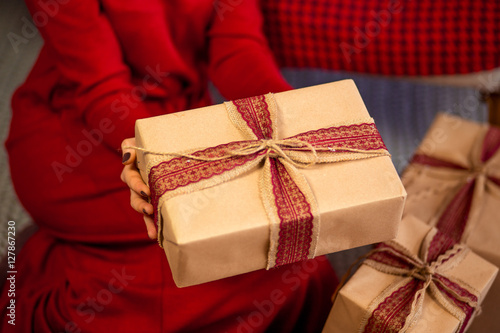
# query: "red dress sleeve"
88,56
240,61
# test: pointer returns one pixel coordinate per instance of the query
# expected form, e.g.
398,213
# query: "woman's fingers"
139,203
139,192
150,226
128,155
133,179
130,175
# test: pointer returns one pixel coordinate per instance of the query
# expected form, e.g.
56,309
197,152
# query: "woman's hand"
139,192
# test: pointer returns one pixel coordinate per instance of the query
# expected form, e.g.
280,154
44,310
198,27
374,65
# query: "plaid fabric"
390,37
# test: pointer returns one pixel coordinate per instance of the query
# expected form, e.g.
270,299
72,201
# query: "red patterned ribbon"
401,309
454,218
294,210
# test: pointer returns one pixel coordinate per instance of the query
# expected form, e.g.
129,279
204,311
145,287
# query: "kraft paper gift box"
453,183
413,284
253,216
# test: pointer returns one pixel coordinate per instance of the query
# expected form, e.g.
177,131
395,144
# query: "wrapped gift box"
453,183
227,228
379,296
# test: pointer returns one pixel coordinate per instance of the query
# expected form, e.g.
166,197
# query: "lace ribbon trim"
457,213
399,307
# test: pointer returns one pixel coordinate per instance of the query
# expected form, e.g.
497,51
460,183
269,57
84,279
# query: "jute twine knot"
478,170
424,273
282,149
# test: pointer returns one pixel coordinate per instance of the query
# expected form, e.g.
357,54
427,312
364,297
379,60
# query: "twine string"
273,148
429,273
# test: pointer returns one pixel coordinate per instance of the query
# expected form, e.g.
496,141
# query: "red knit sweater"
91,267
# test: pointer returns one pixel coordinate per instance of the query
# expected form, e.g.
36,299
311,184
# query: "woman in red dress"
91,266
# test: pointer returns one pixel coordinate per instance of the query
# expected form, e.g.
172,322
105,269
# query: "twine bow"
281,149
423,273
399,307
462,211
285,193
290,150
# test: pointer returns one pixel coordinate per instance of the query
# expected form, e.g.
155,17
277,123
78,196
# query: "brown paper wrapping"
224,230
368,283
429,190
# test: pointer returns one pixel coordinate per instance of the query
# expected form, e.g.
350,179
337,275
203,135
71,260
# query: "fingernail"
144,211
144,194
126,157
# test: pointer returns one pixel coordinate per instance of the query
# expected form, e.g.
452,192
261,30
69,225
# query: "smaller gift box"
422,281
267,181
453,183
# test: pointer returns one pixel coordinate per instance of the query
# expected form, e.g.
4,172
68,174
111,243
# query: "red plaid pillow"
390,37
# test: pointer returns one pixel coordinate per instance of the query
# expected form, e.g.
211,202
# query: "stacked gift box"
453,182
422,281
453,185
